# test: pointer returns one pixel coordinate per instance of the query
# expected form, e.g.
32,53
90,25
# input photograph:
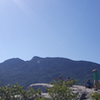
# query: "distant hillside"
43,70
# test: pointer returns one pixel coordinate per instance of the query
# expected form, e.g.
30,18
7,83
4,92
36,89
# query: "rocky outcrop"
83,93
42,86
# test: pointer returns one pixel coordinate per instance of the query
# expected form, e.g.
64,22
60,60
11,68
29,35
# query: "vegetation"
44,70
66,83
60,91
15,92
95,96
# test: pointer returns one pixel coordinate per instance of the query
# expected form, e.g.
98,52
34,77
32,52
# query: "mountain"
43,70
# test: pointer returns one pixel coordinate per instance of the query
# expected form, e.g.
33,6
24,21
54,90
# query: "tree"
15,92
61,90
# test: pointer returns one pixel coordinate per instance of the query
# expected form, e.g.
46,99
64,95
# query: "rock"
42,86
83,93
46,95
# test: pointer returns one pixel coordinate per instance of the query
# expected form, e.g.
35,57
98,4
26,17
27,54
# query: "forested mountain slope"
43,70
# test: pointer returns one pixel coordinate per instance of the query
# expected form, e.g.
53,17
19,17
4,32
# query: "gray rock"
46,95
83,93
42,86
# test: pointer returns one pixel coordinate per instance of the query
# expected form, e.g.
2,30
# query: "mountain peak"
35,58
13,60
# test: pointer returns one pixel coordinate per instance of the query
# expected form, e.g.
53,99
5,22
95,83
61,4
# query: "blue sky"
50,28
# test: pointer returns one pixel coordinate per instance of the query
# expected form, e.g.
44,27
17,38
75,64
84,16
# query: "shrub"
95,96
15,92
61,90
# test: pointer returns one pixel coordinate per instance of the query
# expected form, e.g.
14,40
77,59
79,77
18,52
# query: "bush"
15,92
67,83
61,90
95,96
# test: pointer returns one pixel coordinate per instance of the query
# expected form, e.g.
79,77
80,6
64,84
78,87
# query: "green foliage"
15,92
61,90
42,98
95,96
70,83
67,83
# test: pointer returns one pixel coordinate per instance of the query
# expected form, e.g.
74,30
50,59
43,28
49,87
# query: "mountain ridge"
39,70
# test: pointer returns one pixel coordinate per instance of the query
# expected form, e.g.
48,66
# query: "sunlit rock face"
83,93
42,86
